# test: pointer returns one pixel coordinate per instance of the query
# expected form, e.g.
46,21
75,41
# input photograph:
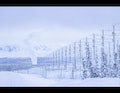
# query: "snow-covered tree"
88,59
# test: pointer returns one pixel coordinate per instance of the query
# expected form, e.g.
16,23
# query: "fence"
91,57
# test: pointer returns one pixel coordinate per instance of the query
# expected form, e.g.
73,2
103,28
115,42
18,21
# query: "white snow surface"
14,79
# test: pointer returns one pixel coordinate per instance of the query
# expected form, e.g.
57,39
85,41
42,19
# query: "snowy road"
12,79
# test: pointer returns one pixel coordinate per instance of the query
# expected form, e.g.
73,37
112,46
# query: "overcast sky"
54,26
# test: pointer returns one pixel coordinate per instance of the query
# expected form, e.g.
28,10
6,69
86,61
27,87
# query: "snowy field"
13,79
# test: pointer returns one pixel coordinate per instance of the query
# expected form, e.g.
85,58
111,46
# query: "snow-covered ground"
13,79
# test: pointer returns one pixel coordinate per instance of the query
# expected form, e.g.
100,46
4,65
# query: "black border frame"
50,3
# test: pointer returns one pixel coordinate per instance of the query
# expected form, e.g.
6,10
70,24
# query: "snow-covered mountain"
22,51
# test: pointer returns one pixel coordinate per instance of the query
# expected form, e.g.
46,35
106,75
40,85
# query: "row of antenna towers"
91,57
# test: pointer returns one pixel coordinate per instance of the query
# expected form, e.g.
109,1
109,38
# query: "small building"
10,64
44,60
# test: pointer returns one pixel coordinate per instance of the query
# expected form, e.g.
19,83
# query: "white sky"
53,26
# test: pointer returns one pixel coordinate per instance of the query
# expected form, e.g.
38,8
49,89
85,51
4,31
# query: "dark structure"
11,64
